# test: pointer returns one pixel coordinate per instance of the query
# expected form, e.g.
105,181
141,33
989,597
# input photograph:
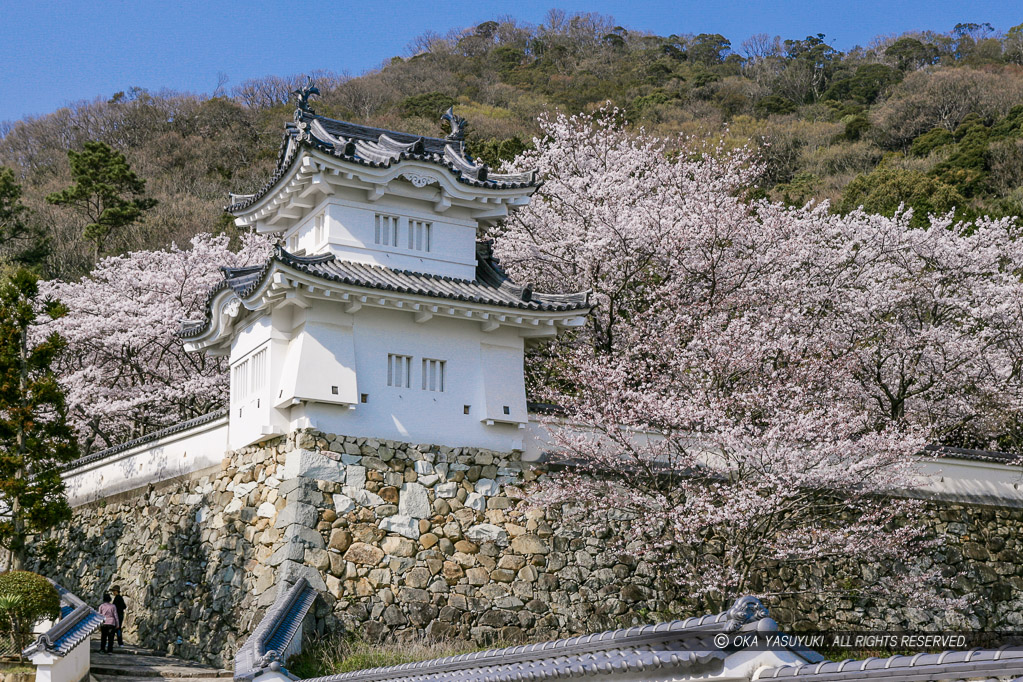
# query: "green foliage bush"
25,599
884,189
39,599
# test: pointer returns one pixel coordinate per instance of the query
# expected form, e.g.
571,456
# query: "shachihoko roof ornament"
302,95
456,123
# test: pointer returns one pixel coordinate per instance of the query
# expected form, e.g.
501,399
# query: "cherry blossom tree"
126,372
764,377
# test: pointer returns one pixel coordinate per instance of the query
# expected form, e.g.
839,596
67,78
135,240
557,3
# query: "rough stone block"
418,578
529,544
306,536
414,501
289,551
297,512
343,504
476,501
396,546
266,511
362,497
447,490
340,539
310,464
366,554
402,525
355,476
291,571
488,487
488,532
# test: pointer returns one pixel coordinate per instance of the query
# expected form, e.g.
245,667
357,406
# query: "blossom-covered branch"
126,372
763,376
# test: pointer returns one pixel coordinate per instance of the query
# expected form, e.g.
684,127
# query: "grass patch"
338,653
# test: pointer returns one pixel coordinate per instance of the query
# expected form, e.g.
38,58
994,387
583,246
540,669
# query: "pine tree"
107,193
18,238
34,436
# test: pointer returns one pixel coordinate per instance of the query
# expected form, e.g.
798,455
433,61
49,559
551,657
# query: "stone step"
128,673
129,663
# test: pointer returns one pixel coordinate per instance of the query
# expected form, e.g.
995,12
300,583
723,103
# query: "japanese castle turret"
380,315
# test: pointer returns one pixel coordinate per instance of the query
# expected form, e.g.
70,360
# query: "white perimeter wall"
175,455
946,478
204,446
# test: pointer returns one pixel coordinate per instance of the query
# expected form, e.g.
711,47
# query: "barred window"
419,235
258,375
433,375
385,231
240,379
320,220
399,371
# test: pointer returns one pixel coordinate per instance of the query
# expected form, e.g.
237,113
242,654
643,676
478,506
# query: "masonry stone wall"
425,540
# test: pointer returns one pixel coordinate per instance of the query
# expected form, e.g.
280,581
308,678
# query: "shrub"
25,599
336,653
886,188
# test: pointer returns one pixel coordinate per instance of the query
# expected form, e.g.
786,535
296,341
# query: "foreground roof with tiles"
667,651
986,665
704,647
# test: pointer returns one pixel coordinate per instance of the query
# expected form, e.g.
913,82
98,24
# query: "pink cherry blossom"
126,372
758,378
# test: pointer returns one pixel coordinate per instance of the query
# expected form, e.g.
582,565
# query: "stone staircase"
135,664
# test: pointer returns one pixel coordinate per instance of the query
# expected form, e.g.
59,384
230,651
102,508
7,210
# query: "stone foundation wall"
405,539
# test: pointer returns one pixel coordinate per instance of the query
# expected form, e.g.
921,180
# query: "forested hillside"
932,120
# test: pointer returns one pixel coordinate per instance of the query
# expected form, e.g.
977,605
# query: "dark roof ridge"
142,440
998,456
368,130
443,152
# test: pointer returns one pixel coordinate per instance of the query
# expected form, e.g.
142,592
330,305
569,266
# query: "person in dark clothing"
109,625
120,605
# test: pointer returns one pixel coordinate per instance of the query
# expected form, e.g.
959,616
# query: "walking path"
135,664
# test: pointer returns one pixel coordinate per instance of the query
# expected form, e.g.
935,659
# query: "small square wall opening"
333,390
465,409
364,398
507,410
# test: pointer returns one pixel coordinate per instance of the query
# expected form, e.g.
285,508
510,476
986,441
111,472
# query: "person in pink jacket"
109,625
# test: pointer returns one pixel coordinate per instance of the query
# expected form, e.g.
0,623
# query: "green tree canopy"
16,233
34,436
885,189
106,192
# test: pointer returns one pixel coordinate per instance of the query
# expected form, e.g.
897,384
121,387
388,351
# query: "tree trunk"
17,519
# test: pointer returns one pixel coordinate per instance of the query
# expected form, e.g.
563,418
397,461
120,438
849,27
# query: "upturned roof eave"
268,291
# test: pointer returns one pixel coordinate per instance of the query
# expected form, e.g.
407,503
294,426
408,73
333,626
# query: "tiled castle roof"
666,650
491,286
375,147
987,665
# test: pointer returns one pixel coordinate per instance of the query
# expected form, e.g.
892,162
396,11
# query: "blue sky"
53,52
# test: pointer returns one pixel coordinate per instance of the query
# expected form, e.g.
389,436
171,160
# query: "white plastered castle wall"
177,454
329,370
442,244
